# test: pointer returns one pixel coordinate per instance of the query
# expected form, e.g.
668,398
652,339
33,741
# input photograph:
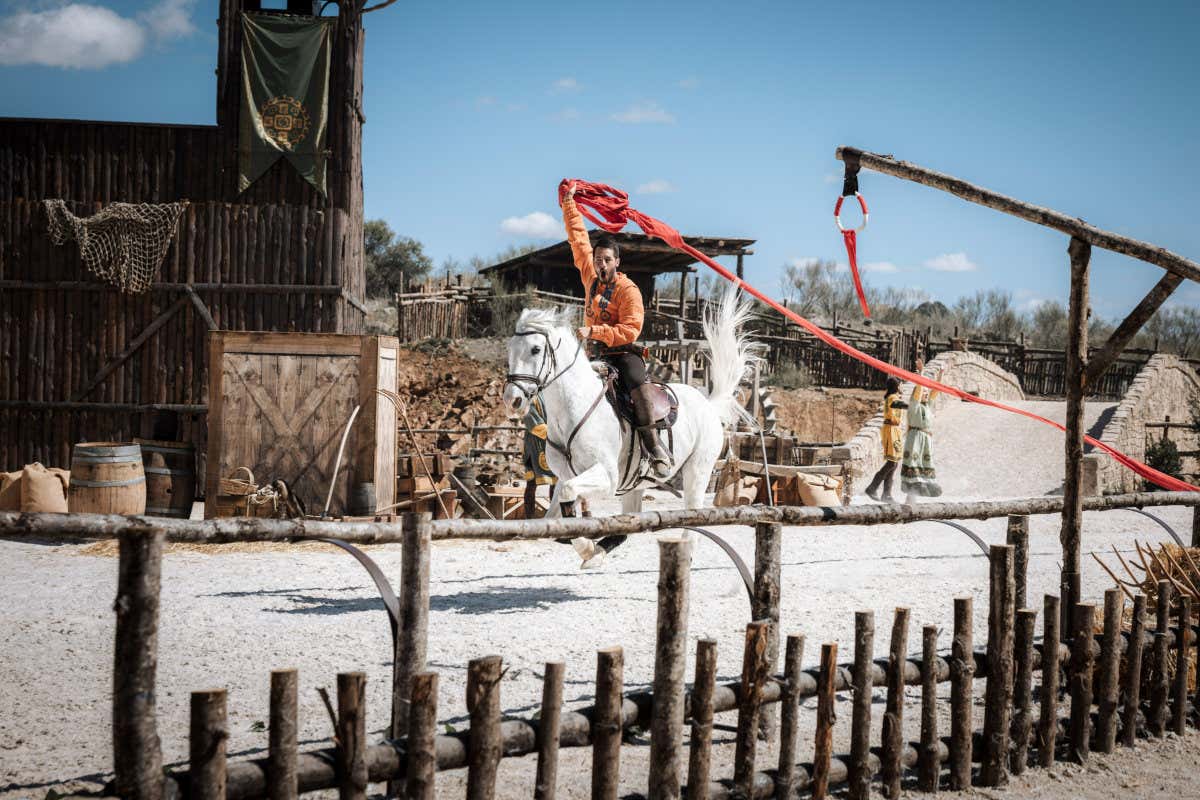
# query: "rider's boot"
660,461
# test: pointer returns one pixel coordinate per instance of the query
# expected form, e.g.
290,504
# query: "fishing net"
123,244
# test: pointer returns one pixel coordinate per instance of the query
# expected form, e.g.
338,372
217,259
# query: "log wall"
278,257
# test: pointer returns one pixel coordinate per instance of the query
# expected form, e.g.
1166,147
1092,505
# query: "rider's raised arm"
630,316
577,237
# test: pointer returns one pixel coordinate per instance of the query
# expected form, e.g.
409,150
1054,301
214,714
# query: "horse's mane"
544,320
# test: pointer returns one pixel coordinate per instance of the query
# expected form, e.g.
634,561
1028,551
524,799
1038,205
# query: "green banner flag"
285,95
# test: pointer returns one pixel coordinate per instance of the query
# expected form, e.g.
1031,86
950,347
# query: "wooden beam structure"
1129,327
1071,532
1072,226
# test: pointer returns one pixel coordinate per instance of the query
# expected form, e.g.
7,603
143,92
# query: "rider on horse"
613,316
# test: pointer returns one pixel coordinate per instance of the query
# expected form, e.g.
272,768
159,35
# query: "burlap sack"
10,490
819,490
43,490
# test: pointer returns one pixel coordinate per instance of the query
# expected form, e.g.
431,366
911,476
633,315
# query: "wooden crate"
278,403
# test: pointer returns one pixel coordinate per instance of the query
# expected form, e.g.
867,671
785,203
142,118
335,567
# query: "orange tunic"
613,311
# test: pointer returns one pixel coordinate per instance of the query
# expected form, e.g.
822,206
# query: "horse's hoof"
661,469
585,547
595,561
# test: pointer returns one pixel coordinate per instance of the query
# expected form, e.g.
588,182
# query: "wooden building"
79,360
643,259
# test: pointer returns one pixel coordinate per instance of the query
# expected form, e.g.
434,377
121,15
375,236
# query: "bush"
1163,455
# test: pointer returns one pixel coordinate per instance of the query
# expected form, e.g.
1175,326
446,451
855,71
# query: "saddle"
664,405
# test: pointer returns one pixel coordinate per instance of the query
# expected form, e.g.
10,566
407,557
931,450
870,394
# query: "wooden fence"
1135,684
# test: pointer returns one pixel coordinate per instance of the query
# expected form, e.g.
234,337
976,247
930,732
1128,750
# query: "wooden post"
606,725
962,676
999,691
1196,526
702,717
137,751
1182,656
413,634
352,736
893,717
483,741
670,661
1018,539
860,775
1160,688
209,733
283,736
1076,366
768,539
789,701
1083,661
1160,685
823,747
421,770
754,676
1022,721
1110,666
740,270
1133,672
1048,719
545,786
928,765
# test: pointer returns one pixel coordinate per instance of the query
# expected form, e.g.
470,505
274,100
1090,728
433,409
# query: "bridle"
549,355
550,358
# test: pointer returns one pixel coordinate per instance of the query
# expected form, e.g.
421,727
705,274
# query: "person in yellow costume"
537,471
893,443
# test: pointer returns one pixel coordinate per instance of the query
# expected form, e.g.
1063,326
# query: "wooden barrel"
107,478
170,477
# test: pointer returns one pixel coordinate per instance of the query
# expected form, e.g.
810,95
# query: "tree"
391,259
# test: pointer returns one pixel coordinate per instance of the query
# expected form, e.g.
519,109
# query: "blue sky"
722,119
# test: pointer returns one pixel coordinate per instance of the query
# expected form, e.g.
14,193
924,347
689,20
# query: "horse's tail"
732,353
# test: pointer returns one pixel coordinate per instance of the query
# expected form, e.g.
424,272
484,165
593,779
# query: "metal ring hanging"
837,212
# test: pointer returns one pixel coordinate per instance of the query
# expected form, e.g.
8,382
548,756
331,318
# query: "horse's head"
536,355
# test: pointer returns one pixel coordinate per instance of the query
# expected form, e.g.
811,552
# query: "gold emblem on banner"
286,121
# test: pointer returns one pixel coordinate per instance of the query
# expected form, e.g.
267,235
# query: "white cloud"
566,115
879,266
688,83
75,36
656,186
85,36
831,178
535,225
514,107
644,113
952,262
170,19
485,101
566,85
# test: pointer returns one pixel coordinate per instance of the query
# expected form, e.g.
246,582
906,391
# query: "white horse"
589,448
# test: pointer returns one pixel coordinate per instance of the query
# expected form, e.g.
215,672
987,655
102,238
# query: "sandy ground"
228,619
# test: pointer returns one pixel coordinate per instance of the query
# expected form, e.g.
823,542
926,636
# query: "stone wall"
967,371
1166,386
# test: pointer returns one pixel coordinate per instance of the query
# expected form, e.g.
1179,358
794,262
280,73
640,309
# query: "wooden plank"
1129,327
1072,226
131,349
272,343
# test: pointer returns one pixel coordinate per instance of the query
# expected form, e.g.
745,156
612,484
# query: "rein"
540,383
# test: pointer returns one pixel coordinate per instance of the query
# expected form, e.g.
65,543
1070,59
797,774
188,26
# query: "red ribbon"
612,205
852,251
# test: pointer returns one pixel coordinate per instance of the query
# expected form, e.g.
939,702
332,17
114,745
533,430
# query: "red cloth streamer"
851,238
613,207
852,252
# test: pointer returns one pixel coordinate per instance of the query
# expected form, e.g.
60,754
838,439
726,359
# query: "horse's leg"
631,501
592,482
695,482
554,510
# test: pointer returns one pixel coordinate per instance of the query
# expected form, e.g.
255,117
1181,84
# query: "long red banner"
612,206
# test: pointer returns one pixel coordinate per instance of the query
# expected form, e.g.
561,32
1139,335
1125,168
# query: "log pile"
421,479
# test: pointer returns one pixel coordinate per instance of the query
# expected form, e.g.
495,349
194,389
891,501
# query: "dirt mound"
445,388
825,415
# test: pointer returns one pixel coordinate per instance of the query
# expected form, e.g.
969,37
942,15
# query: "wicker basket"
233,496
